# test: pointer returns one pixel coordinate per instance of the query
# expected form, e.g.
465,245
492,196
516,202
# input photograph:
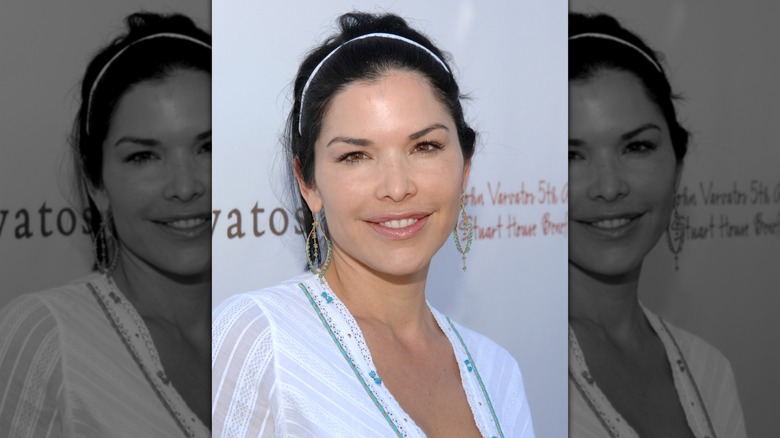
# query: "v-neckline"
130,327
687,391
345,329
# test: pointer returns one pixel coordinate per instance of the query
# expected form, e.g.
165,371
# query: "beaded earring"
676,226
312,245
105,242
466,223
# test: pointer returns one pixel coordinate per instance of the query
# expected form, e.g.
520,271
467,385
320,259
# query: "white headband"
369,35
119,53
618,40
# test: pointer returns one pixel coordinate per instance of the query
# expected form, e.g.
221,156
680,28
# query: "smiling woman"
123,352
630,372
379,156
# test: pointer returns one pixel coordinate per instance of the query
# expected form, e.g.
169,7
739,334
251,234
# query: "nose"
188,178
396,179
608,182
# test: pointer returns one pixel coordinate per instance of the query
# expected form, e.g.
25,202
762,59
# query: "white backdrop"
44,49
724,59
511,58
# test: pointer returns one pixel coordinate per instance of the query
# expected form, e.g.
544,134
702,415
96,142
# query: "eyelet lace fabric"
304,386
85,366
702,377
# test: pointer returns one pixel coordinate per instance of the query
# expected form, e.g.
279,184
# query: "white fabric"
65,371
702,376
277,372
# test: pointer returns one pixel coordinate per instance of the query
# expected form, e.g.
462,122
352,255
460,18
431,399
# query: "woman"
630,372
124,352
379,156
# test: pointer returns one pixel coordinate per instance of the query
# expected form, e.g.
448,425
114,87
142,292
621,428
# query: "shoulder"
257,316
483,348
50,308
271,302
696,351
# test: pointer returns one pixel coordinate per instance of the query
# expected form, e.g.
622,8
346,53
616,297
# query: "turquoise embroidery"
349,360
471,366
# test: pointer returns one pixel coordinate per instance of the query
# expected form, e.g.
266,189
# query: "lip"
184,226
611,226
398,226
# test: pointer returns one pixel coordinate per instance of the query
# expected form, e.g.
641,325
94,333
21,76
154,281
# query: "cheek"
578,184
129,192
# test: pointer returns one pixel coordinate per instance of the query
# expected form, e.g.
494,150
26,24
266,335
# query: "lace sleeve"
31,387
243,375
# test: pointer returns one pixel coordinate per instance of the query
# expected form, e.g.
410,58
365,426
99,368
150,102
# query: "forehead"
181,98
611,101
398,96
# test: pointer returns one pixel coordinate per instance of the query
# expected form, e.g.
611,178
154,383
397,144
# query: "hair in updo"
107,79
365,59
590,55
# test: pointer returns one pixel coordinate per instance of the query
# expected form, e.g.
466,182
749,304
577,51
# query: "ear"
310,194
466,173
99,197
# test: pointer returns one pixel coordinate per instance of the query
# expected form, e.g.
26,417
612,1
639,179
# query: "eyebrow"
365,142
633,133
152,142
627,136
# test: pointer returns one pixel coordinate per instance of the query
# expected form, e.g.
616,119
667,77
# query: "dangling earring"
312,240
677,226
104,243
470,230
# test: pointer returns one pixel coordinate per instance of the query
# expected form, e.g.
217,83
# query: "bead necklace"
469,363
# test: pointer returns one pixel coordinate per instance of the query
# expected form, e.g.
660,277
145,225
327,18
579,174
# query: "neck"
183,302
608,303
394,302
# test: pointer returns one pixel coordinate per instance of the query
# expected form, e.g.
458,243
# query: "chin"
608,268
187,267
401,268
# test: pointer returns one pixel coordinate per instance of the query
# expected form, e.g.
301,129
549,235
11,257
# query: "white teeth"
610,223
399,223
183,224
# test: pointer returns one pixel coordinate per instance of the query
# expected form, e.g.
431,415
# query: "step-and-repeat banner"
723,58
510,57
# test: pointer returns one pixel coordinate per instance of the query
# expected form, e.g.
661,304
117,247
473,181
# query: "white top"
79,361
278,370
702,376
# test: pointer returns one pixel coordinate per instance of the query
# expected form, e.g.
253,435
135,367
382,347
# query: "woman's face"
389,173
622,173
157,173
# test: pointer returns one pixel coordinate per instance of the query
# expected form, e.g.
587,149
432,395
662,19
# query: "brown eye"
428,146
139,157
640,146
352,157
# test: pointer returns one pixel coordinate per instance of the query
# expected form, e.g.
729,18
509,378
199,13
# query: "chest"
640,386
187,367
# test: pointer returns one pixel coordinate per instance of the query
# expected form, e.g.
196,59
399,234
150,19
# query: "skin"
388,150
622,175
157,184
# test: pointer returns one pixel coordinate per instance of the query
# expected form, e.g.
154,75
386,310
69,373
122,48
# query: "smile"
184,224
609,224
399,223
399,228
